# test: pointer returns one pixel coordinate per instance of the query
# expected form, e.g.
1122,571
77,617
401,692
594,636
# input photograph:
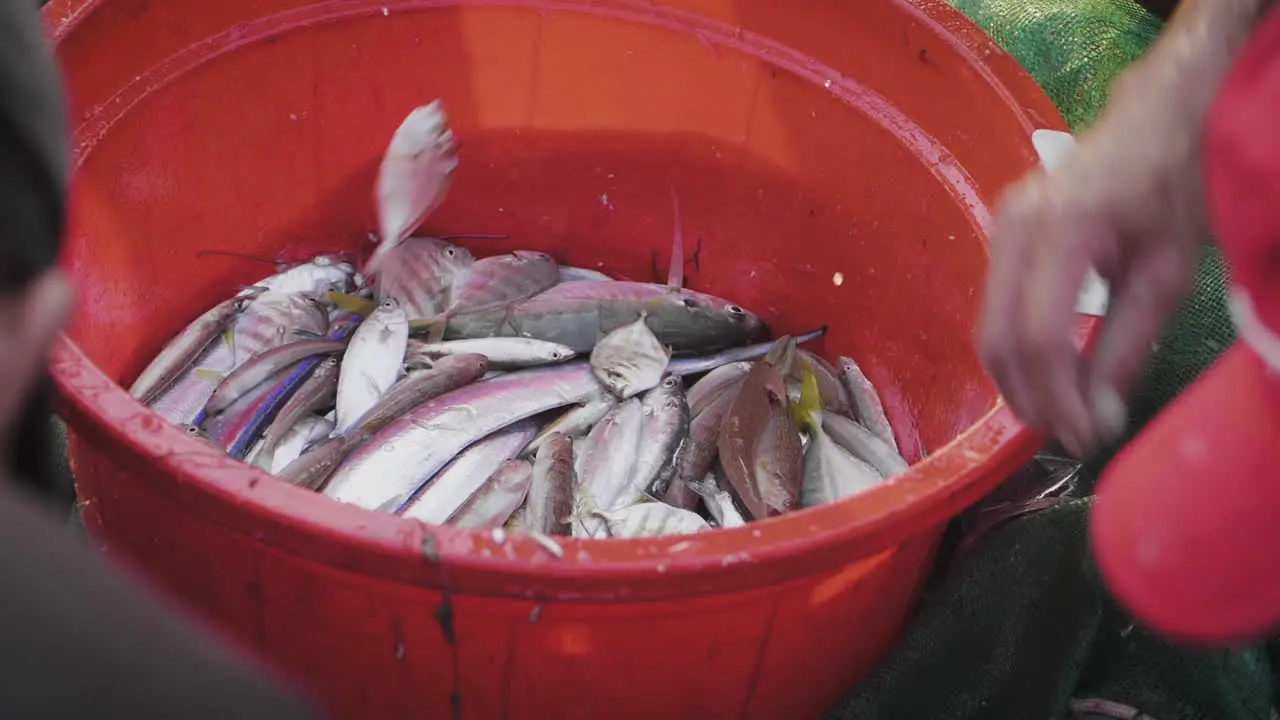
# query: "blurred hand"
1127,202
30,319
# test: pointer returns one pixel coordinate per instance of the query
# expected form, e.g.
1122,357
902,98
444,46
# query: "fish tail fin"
675,274
435,332
351,303
213,376
807,412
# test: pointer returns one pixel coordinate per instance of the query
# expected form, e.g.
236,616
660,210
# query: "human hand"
1129,203
30,319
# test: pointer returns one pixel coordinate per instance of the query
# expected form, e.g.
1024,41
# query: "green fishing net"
1018,625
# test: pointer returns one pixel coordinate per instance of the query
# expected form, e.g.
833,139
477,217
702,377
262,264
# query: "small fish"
503,353
604,468
495,281
314,277
318,392
759,446
651,519
497,499
630,359
866,401
450,489
182,403
235,426
700,450
579,314
277,318
550,503
835,397
445,375
663,433
201,435
719,503
830,472
314,468
685,366
372,362
415,175
180,352
576,422
390,467
420,273
291,447
863,444
574,274
256,371
726,378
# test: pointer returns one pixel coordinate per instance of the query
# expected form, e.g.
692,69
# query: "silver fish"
835,397
256,371
719,503
420,272
693,365
550,504
183,401
663,433
630,359
866,402
575,274
318,392
414,177
579,314
604,469
863,444
651,519
304,432
314,468
201,435
183,350
725,378
447,374
277,318
391,466
497,499
466,474
576,422
372,362
314,277
495,281
503,353
831,473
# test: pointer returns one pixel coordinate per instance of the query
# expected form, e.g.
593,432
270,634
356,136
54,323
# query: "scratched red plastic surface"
835,163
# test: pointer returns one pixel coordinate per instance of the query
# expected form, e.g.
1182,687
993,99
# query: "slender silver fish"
256,371
306,431
863,444
549,508
604,469
391,466
497,499
317,393
180,352
866,402
704,363
466,474
503,353
663,433
577,421
446,374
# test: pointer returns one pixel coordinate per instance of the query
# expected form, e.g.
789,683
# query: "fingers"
1141,303
1040,254
30,322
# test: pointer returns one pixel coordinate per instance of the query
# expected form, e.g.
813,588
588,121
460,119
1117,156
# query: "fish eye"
735,310
690,303
450,252
669,382
192,430
388,304
331,361
555,354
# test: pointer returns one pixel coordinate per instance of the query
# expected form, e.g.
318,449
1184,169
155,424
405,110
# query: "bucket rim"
250,502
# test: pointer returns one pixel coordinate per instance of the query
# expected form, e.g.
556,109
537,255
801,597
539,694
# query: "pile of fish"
514,391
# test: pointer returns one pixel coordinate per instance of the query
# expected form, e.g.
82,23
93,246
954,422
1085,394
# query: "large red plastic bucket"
835,163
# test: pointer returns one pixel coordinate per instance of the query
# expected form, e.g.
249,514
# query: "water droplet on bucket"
837,279
827,84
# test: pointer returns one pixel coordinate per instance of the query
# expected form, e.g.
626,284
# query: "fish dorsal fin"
675,275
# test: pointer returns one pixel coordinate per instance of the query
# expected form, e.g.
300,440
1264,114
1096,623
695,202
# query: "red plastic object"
834,163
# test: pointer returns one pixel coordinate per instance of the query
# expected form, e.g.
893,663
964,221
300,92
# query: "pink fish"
414,177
